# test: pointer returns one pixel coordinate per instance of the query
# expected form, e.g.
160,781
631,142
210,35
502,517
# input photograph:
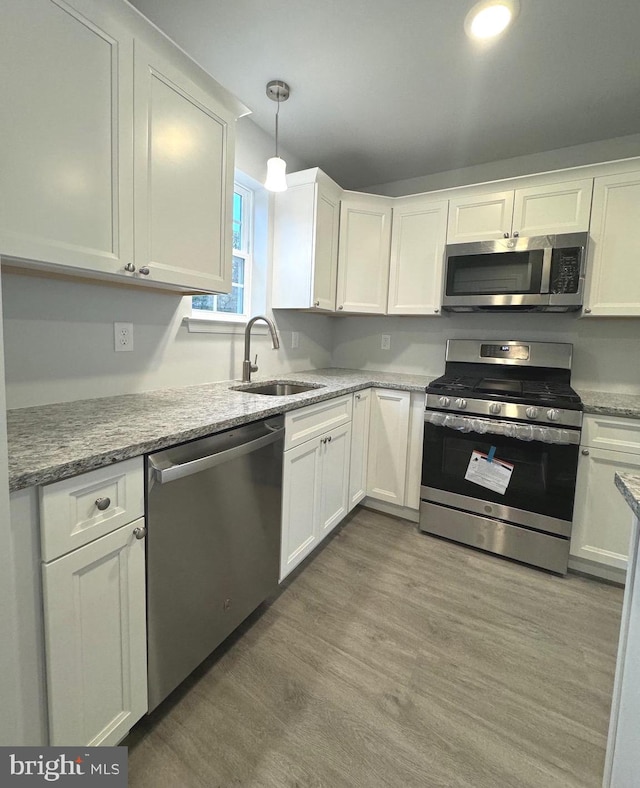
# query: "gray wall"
605,350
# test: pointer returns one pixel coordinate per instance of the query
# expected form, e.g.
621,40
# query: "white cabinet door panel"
184,178
66,155
334,494
551,209
601,520
613,273
325,269
300,503
387,466
418,238
95,636
480,218
363,256
359,447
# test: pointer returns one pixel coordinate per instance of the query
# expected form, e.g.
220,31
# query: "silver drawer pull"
140,532
103,503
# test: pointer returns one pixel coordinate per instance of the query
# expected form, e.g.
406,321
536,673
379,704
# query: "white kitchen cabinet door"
301,479
363,253
305,244
554,208
482,217
334,490
66,156
184,160
388,441
613,272
418,238
359,447
601,519
95,640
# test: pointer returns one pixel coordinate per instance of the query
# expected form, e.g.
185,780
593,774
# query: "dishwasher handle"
182,470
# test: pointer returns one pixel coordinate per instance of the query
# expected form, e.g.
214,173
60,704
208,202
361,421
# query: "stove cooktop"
534,392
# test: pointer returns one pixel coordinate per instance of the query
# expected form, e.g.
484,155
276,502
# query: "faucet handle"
254,366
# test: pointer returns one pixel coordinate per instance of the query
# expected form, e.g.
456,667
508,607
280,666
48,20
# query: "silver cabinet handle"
130,267
506,235
103,503
585,452
140,532
516,234
144,271
357,396
340,307
436,311
587,310
329,439
316,303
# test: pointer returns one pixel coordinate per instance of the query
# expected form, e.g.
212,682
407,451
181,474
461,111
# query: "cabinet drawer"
610,432
306,423
76,511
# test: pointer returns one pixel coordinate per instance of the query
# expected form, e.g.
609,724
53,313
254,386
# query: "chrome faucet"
247,366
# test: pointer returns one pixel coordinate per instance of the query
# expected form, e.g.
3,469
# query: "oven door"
540,491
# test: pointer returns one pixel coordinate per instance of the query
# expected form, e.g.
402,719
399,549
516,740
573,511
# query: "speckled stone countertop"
629,486
610,403
53,442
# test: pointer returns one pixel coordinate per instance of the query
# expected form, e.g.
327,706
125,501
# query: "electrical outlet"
385,344
295,339
123,336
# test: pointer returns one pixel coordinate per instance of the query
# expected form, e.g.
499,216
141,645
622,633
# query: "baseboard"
611,574
404,512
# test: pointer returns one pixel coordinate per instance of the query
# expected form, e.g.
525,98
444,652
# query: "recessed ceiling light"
489,18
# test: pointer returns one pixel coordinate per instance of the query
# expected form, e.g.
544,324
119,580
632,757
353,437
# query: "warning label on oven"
488,471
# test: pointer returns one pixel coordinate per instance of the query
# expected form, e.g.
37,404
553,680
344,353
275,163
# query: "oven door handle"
510,429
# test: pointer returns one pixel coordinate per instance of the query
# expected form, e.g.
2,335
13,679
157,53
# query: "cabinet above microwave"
542,273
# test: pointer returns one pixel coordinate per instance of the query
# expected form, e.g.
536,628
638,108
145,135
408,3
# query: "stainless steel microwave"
538,274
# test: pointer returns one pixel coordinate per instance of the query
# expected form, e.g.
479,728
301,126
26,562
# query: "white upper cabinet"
613,272
480,218
363,253
547,209
66,153
72,149
418,238
183,178
553,209
305,243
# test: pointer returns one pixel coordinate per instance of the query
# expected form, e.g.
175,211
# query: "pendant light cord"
277,113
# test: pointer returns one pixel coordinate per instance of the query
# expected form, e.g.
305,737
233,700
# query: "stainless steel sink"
276,388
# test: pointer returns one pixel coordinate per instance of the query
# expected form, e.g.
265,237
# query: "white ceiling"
383,90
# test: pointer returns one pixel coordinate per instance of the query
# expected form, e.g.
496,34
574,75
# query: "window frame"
246,254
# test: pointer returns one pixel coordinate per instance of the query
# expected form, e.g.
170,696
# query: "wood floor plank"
398,659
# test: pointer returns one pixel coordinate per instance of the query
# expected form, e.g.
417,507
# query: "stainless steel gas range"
501,437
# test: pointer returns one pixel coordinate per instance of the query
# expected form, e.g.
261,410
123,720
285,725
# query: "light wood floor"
398,659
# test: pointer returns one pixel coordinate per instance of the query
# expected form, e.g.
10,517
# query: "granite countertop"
53,442
610,403
629,486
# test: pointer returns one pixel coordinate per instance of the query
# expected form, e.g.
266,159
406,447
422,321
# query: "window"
236,305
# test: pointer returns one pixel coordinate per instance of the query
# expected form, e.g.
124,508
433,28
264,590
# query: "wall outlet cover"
385,344
123,337
295,339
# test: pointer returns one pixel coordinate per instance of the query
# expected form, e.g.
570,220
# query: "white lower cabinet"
601,519
315,493
359,447
388,435
95,640
94,608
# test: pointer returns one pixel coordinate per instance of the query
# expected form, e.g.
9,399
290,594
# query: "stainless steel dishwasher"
213,544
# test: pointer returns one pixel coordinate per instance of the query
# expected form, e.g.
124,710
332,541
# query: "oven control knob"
495,407
461,404
444,402
553,414
532,413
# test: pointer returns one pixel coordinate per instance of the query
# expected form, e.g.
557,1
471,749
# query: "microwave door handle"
546,269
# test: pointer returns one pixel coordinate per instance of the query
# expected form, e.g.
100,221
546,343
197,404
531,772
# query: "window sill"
204,325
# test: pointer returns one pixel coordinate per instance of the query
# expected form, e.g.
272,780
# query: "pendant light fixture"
276,180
